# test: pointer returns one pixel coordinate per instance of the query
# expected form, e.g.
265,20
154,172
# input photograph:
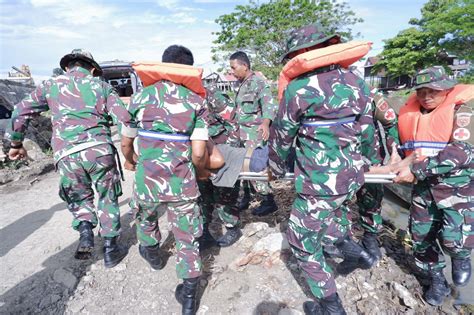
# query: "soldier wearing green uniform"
328,111
82,109
442,208
255,112
171,127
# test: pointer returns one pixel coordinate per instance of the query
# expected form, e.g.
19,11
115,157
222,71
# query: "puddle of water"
396,210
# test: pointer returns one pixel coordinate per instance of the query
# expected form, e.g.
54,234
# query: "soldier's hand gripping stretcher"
396,167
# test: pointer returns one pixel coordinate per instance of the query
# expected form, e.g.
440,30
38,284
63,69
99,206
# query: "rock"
404,295
272,243
65,277
253,228
33,149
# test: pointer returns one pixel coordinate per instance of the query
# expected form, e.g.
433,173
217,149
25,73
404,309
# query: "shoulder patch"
463,127
383,111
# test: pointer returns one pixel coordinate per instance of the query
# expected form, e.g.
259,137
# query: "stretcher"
369,178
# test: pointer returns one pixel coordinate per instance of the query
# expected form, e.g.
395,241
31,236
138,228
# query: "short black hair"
79,63
241,57
178,54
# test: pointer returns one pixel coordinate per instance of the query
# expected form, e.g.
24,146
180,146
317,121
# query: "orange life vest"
343,54
429,133
188,76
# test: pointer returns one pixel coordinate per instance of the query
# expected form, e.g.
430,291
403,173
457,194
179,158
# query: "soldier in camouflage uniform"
222,130
442,209
255,111
172,134
82,109
370,196
328,110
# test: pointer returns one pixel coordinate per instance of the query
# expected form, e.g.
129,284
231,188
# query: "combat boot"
86,241
330,305
206,240
245,201
152,255
113,253
267,206
461,271
186,295
354,256
371,244
230,237
439,288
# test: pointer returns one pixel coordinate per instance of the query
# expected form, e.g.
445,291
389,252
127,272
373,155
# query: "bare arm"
128,152
200,158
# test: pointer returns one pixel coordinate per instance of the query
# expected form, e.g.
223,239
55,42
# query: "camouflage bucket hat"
308,36
434,78
80,54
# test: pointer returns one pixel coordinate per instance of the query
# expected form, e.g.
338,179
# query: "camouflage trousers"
369,201
185,220
310,218
444,215
223,199
80,171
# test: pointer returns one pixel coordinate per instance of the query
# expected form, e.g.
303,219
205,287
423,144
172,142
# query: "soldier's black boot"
245,201
267,206
86,241
152,255
186,295
371,244
113,252
330,305
438,289
461,271
355,256
206,240
230,237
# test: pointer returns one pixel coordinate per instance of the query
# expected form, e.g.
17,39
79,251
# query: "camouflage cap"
80,54
308,36
434,78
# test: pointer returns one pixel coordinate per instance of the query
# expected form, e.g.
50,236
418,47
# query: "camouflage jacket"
165,172
454,165
254,103
223,127
82,110
329,114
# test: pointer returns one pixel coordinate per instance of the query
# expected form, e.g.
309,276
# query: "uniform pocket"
249,104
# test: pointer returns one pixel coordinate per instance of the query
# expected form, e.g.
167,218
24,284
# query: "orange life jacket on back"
429,133
343,54
188,76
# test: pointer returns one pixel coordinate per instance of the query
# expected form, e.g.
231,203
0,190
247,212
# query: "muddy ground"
258,275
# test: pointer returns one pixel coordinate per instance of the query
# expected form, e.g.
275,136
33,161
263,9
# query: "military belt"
325,123
150,134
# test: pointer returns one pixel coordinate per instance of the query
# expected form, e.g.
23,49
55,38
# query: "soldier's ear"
92,71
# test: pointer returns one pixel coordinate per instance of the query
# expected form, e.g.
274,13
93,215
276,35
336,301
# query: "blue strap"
149,134
324,123
412,145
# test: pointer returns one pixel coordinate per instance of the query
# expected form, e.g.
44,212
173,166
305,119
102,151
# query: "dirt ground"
258,275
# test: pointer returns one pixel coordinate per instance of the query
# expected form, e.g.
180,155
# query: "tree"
446,27
262,29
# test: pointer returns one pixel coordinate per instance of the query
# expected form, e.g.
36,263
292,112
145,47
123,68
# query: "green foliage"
468,78
446,27
261,29
57,72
